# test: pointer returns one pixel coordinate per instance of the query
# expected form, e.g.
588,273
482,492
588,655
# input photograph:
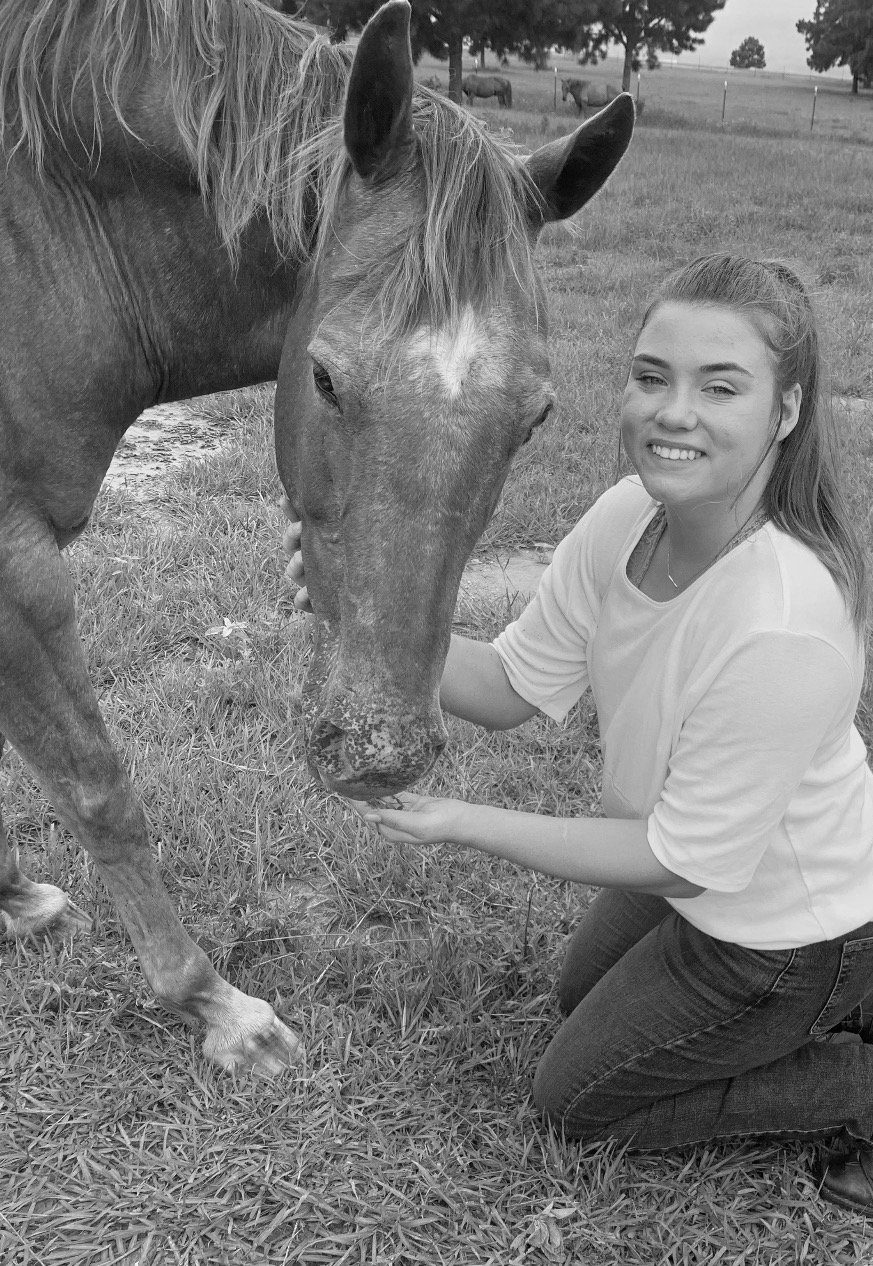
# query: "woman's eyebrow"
718,367
652,360
726,366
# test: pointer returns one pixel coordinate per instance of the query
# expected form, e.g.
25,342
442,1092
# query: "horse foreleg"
28,909
49,713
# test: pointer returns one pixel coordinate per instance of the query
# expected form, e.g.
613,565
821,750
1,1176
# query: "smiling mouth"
675,454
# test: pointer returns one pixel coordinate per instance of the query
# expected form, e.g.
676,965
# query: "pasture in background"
424,979
758,102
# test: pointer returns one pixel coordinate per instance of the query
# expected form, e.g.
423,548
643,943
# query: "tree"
840,33
440,27
749,55
530,27
649,26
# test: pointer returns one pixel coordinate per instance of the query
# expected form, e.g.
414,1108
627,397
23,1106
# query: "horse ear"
378,113
570,170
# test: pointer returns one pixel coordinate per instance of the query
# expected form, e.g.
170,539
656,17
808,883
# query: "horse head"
414,369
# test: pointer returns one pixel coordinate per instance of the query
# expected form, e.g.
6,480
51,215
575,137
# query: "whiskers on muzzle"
366,758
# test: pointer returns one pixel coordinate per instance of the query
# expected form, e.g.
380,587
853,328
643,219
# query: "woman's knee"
614,922
563,1110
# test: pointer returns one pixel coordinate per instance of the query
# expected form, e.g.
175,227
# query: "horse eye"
540,420
323,384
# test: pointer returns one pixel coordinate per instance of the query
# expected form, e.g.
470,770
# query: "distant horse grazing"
189,189
487,86
587,94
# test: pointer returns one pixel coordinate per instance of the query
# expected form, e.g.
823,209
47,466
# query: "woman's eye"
323,384
650,380
721,389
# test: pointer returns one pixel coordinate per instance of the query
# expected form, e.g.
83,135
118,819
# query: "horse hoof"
255,1041
41,910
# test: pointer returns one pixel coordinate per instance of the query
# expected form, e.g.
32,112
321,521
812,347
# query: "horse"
587,94
202,196
487,86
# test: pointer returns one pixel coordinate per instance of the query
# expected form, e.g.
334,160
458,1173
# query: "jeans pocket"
854,982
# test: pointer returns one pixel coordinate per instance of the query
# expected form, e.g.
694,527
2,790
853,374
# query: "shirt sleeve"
544,651
742,752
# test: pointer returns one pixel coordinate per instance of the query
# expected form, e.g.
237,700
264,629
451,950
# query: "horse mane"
473,229
248,87
256,99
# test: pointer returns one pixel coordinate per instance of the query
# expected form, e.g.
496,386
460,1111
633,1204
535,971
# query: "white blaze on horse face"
467,351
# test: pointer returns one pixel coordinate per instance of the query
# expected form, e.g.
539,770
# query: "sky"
773,22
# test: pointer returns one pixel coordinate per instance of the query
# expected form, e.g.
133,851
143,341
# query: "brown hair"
804,495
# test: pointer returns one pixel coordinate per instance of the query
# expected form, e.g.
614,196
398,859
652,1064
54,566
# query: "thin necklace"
755,520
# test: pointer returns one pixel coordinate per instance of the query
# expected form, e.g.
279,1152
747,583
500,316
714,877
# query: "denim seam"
848,954
821,1131
677,1041
820,1025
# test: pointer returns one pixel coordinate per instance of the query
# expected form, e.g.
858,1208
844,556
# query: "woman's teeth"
676,454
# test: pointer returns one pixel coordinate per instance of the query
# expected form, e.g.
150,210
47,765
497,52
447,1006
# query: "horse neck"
213,319
219,322
201,321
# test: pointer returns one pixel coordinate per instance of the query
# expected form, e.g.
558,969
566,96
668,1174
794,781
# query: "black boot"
859,1021
846,1176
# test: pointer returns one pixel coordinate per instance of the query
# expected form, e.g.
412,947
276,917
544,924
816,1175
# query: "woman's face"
700,407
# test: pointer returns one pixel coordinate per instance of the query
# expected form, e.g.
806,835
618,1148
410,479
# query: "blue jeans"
673,1037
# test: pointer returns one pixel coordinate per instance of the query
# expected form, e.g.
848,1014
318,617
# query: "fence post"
638,88
814,99
556,90
724,101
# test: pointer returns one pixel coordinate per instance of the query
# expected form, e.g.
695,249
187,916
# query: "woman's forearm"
604,852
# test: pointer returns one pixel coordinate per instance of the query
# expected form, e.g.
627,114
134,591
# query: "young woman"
714,604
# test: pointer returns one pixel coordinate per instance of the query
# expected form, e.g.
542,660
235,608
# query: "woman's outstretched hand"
420,820
295,571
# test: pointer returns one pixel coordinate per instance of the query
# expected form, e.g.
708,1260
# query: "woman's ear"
790,410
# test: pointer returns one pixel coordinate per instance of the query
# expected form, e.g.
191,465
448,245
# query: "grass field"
759,103
423,981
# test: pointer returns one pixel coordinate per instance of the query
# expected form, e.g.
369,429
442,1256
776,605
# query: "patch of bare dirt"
506,577
161,441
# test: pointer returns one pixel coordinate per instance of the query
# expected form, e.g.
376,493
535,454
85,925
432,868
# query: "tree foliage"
642,28
749,55
440,27
529,27
840,33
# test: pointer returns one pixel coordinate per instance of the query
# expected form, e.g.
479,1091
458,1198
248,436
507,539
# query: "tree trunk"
855,84
456,66
482,57
628,67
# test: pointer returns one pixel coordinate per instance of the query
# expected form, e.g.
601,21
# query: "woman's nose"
677,412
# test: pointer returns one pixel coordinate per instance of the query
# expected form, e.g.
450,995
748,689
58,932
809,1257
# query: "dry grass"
422,979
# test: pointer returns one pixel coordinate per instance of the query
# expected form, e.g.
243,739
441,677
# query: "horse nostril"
353,758
327,746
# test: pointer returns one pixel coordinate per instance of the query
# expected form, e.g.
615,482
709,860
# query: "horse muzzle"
365,754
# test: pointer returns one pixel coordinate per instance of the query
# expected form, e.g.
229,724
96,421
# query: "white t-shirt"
726,720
